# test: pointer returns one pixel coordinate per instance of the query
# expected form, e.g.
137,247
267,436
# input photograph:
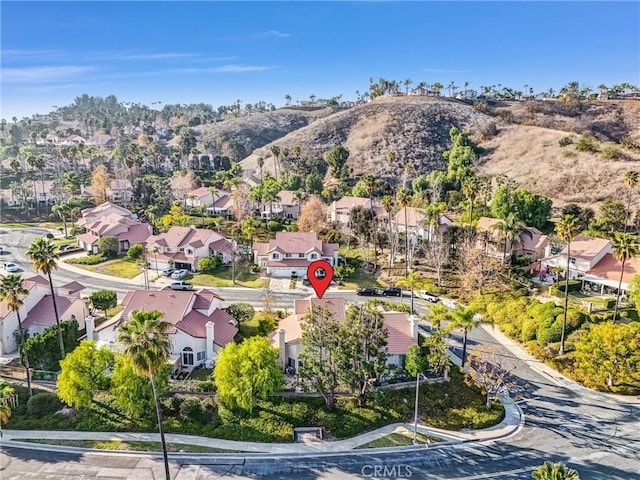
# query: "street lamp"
415,414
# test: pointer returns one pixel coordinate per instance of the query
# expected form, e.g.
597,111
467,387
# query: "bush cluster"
89,259
42,404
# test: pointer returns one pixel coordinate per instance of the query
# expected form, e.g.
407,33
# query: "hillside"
415,128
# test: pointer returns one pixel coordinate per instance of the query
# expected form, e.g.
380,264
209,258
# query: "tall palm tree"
630,180
370,182
45,260
414,281
567,229
625,246
470,189
557,471
275,151
12,291
389,205
261,165
438,313
510,232
146,342
465,319
403,198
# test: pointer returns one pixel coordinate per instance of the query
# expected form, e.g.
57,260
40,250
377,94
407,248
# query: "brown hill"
415,128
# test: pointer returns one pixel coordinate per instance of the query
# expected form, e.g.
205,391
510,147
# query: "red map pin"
324,272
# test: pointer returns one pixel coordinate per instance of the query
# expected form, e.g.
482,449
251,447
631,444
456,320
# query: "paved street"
597,436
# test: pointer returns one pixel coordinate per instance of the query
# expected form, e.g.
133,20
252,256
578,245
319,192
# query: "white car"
11,267
181,286
179,274
428,296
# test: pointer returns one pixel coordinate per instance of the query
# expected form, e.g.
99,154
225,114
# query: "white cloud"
231,68
44,74
276,33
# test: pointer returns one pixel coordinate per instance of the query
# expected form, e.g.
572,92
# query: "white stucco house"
182,247
402,330
200,327
293,252
417,225
340,210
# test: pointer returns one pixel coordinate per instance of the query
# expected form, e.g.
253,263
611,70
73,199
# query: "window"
313,256
201,356
275,256
189,252
288,255
182,249
301,255
187,356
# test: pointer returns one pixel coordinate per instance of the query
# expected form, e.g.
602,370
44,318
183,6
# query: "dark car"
392,292
168,271
367,292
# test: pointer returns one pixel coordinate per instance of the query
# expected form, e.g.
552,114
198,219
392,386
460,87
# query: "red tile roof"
296,242
399,339
200,192
194,324
72,287
335,305
609,267
289,262
586,247
415,216
88,238
42,313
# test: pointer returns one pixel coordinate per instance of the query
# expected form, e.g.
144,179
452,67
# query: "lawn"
222,278
399,439
249,328
361,279
136,446
123,268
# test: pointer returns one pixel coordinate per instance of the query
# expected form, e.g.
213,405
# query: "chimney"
282,347
209,346
90,325
413,325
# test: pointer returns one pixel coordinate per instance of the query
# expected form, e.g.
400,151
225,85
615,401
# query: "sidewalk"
546,371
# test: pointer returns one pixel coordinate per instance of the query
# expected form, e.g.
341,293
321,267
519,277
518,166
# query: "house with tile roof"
90,215
200,327
402,330
223,204
120,191
293,252
489,240
127,230
418,226
37,311
182,247
339,211
286,205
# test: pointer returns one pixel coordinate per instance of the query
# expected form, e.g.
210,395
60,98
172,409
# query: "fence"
19,373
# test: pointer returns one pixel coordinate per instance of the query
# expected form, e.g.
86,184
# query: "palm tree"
438,313
625,246
466,319
275,151
146,342
414,281
403,198
261,165
370,183
511,231
630,180
12,291
470,189
567,229
389,205
557,471
45,260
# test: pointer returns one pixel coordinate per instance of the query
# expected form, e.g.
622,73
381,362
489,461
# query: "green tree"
241,312
608,354
414,281
461,155
45,260
414,361
12,292
404,198
630,180
510,231
63,210
6,392
84,374
43,350
625,246
146,343
438,313
465,319
246,372
135,252
367,337
108,245
209,265
324,354
612,215
104,300
567,230
436,353
557,471
470,189
337,160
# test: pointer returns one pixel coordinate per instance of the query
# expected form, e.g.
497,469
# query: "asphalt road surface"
600,439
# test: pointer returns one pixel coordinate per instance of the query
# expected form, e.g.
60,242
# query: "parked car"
367,292
179,274
68,248
305,281
63,247
392,292
428,296
11,267
181,286
168,271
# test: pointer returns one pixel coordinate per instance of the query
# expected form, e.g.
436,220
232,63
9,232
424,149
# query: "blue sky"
218,52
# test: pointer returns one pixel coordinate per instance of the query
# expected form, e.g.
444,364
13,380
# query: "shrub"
567,153
88,260
209,264
587,143
609,303
273,226
565,141
75,230
206,386
610,152
529,328
135,251
192,408
549,332
42,404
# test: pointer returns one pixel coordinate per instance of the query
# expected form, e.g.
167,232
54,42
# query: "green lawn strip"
122,268
399,439
449,406
136,446
249,328
222,278
201,374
